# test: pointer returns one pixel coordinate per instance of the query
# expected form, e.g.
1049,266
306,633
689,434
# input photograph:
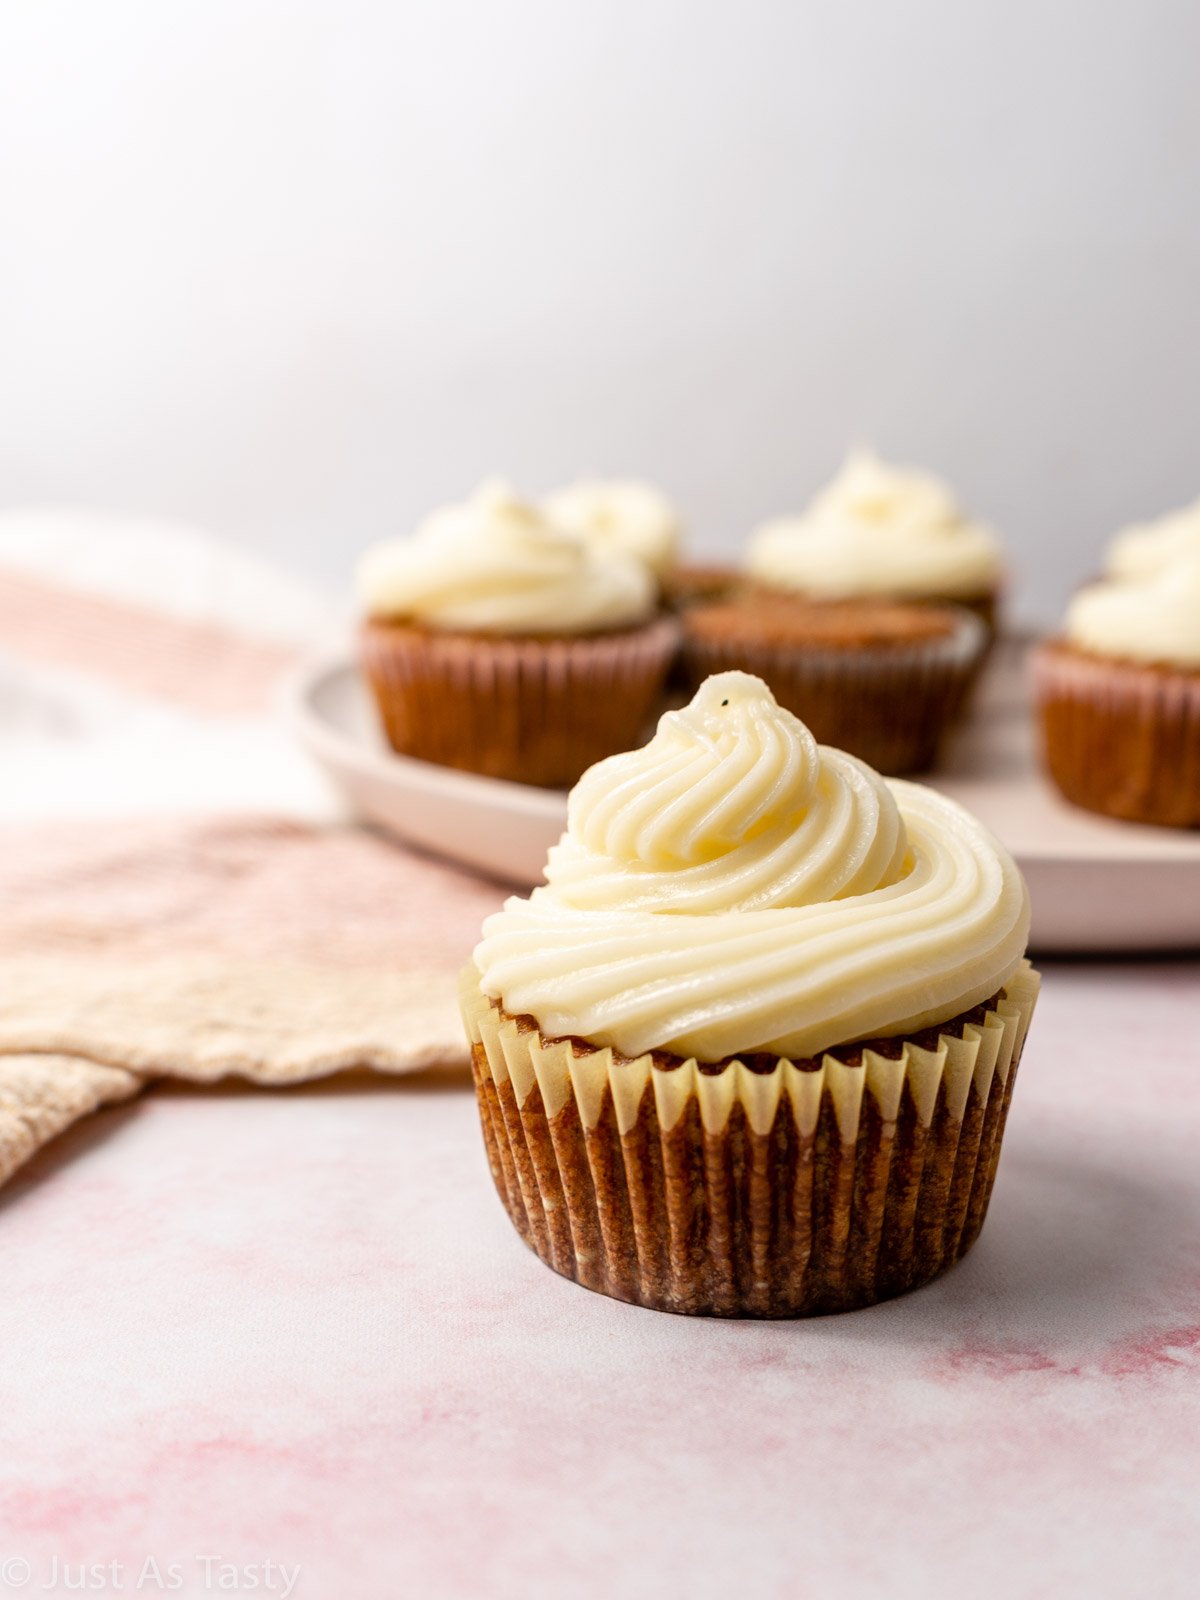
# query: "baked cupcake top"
497,564
800,624
1154,618
1148,547
879,530
620,514
733,888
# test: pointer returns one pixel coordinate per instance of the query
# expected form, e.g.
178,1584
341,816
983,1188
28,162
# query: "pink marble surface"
298,1328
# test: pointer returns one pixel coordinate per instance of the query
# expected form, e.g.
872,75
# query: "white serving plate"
1096,884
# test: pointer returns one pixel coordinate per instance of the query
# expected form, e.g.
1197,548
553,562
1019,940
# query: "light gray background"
297,270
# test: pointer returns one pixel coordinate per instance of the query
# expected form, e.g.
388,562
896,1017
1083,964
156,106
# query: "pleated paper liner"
890,706
536,711
1120,737
791,1190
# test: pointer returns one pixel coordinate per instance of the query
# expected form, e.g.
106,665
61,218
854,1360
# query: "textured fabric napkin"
179,893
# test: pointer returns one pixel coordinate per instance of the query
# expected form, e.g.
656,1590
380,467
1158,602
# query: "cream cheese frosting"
1148,547
497,564
878,530
620,514
1154,618
734,887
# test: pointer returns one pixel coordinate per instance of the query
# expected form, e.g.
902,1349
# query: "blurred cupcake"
1119,698
497,642
620,514
750,1050
885,532
1148,547
880,679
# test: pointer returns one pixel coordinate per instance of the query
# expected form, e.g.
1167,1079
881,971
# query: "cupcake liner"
1120,737
890,706
536,711
762,1189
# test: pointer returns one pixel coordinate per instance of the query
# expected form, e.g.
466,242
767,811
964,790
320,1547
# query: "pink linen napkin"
154,922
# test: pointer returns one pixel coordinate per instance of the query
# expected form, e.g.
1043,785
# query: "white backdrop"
297,269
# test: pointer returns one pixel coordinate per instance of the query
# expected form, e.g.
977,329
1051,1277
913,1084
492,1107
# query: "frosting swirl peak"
734,887
496,564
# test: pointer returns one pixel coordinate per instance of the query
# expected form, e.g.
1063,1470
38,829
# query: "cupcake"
1119,698
499,643
750,1050
881,531
1148,547
879,678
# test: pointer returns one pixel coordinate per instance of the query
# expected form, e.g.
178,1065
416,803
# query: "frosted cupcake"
1119,698
1149,547
497,642
750,1050
885,532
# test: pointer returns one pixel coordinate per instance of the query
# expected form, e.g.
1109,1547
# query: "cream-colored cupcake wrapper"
561,1072
835,1186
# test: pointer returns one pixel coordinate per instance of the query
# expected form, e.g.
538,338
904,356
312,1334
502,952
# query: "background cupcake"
1119,698
881,679
751,1048
881,531
497,642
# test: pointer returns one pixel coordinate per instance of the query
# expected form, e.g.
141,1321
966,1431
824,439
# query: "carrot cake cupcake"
882,679
883,531
750,1050
497,642
1119,698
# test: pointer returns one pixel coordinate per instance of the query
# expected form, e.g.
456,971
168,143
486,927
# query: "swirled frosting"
878,530
1156,618
497,565
735,887
621,514
1148,547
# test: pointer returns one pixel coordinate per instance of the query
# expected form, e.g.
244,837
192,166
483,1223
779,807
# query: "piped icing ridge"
878,529
734,888
620,514
497,564
1154,618
1148,547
